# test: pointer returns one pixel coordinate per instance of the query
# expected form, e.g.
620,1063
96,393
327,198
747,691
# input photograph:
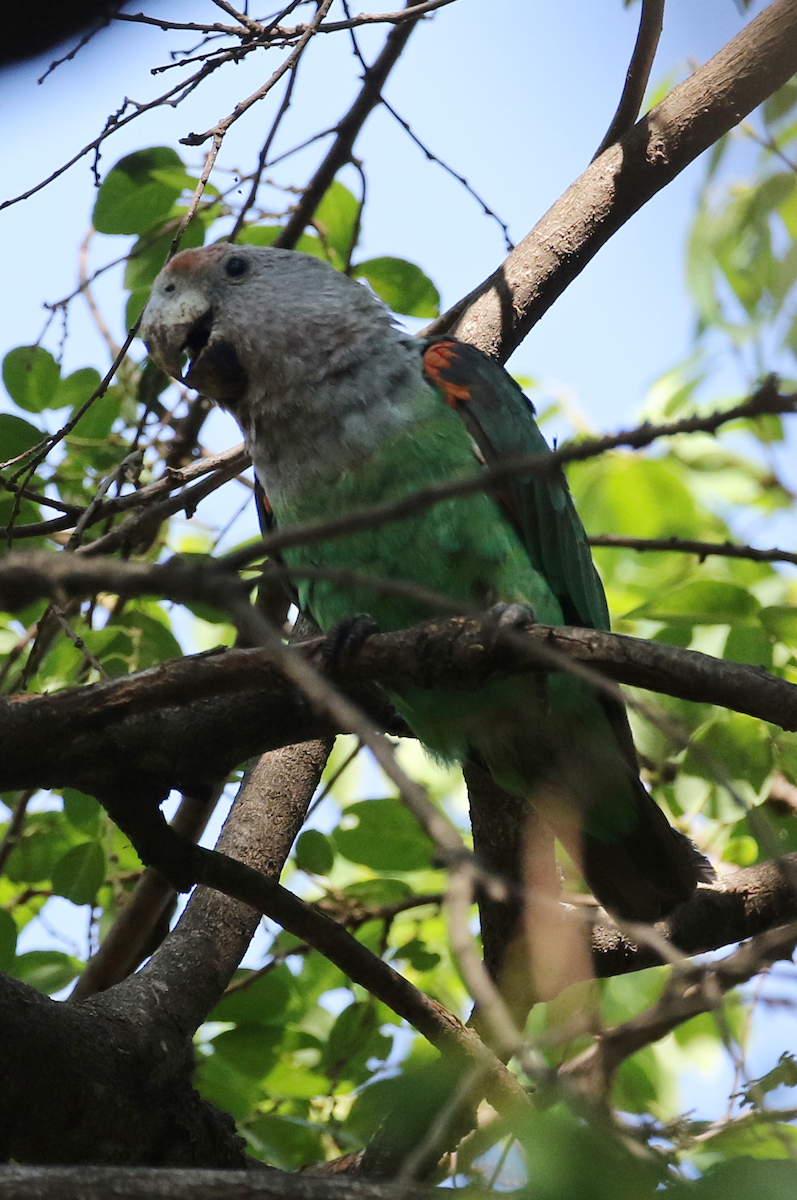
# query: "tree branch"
749,901
144,1183
196,718
703,550
348,128
498,314
636,80
691,990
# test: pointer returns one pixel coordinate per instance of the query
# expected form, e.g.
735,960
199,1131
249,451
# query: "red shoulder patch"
438,360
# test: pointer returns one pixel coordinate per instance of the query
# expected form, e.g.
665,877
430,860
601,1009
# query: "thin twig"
686,546
347,130
263,157
765,401
218,131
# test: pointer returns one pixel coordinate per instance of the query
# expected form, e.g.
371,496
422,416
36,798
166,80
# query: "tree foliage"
312,1065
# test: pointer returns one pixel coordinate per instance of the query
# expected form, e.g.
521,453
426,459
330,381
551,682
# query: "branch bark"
142,1183
196,718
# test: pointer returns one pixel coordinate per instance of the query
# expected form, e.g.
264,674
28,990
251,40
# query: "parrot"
340,409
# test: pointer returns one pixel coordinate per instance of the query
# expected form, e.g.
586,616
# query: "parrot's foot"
500,622
345,638
511,616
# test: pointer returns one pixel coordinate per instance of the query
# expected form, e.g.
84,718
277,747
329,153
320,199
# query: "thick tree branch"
142,1183
196,718
749,902
196,962
498,314
130,939
93,1081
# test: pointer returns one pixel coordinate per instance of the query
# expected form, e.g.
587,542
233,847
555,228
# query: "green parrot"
340,409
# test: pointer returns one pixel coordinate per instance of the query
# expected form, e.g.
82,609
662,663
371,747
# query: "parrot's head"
240,323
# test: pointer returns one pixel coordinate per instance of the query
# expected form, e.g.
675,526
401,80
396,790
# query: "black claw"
344,640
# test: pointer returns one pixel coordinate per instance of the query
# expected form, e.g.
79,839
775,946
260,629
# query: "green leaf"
748,644
352,1028
636,1086
782,1075
635,496
385,837
742,851
764,1141
150,251
80,873
704,602
251,1049
266,235
48,971
134,641
353,1039
780,622
781,102
82,811
263,1002
16,436
8,940
418,955
135,306
314,853
43,842
745,1178
286,1080
336,221
403,286
132,198
219,1082
287,1143
733,746
31,376
96,422
378,893
75,389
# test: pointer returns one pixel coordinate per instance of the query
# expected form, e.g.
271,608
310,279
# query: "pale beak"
175,326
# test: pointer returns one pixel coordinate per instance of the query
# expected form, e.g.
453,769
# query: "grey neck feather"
326,403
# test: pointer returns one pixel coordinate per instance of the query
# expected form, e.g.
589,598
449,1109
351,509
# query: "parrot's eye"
236,267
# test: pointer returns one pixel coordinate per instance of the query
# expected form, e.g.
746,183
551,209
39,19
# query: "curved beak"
174,327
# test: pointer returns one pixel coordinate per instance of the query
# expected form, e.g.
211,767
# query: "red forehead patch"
188,260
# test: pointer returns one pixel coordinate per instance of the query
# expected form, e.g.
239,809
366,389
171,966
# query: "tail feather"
646,873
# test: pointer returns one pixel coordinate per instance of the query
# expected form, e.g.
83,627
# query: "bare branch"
218,131
347,130
691,991
118,717
144,1183
703,550
749,901
636,80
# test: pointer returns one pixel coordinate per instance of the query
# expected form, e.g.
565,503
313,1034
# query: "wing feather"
500,419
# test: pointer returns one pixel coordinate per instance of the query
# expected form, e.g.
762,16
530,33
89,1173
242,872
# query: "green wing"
501,422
